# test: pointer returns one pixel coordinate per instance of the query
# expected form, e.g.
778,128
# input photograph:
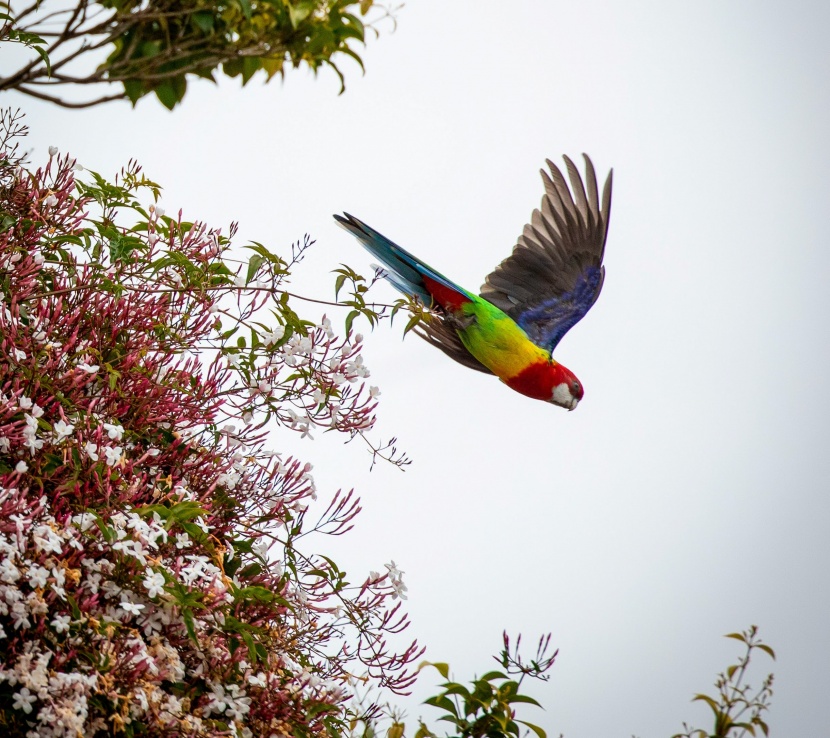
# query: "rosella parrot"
529,302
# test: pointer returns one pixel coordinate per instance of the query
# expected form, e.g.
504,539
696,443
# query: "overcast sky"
687,495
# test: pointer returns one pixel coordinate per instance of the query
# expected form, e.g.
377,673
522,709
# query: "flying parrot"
529,302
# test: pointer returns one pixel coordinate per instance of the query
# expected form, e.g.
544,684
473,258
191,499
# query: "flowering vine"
151,577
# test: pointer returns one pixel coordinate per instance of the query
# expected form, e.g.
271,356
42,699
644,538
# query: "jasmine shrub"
152,580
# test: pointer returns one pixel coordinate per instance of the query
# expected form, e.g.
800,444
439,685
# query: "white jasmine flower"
399,588
38,576
258,681
91,450
23,700
159,211
47,540
113,454
50,201
86,520
19,355
24,402
33,444
20,616
61,623
373,392
9,573
114,431
88,368
394,572
21,467
154,583
133,608
62,430
53,151
260,547
182,540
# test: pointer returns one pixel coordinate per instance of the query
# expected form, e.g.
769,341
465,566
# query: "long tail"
407,273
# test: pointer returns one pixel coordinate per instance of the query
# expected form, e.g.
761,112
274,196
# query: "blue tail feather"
406,271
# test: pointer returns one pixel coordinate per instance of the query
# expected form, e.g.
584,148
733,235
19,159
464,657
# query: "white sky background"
687,496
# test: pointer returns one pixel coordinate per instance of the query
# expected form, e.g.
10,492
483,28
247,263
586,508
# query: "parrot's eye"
575,387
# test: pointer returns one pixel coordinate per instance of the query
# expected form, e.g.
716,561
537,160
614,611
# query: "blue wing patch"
547,322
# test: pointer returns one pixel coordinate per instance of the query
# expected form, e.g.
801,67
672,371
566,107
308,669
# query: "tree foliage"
144,46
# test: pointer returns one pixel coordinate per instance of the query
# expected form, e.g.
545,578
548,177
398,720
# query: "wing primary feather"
593,192
578,188
606,207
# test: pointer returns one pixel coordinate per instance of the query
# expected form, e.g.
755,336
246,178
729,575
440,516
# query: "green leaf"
455,688
523,698
73,605
249,642
133,89
491,675
187,616
43,55
535,728
350,319
443,669
246,8
413,321
166,93
254,264
766,649
250,65
442,703
204,22
709,701
299,12
338,285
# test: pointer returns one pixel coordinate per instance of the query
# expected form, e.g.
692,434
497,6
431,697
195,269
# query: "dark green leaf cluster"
156,46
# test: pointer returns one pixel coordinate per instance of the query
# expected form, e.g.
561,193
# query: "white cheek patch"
562,395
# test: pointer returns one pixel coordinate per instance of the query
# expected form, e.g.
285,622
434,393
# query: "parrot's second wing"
555,272
444,337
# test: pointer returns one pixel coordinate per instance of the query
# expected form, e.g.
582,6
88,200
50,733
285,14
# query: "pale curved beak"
574,403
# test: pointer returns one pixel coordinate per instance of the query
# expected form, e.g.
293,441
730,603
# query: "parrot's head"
567,389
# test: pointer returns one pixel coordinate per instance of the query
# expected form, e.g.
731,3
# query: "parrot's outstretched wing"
414,278
555,272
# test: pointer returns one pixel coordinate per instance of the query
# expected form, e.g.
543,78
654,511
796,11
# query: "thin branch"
66,104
